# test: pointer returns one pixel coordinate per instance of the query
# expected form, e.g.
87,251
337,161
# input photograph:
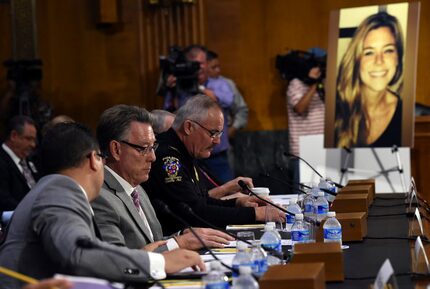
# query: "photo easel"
383,172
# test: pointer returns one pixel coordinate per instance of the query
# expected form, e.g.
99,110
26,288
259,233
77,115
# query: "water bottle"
242,258
308,206
216,278
321,207
245,280
299,231
258,258
293,208
271,242
314,191
328,185
273,224
332,229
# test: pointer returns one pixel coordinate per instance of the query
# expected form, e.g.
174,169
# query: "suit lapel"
116,187
13,166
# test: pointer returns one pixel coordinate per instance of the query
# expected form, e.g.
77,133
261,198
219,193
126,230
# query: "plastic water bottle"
242,258
314,191
332,229
271,242
321,207
258,258
216,278
273,224
308,206
299,231
328,185
293,208
245,280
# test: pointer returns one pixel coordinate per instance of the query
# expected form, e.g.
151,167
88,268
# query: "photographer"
175,98
305,107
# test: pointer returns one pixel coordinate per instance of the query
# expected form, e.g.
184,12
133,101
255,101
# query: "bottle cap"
268,227
331,214
293,201
299,217
320,194
245,270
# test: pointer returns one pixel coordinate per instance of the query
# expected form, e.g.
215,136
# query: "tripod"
383,172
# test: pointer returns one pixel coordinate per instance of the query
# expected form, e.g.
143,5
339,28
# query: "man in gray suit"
52,229
123,211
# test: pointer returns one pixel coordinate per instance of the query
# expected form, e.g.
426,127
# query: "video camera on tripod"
185,71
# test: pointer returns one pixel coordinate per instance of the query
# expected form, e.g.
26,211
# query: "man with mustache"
175,177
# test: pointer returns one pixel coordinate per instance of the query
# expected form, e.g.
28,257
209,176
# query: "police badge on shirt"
171,166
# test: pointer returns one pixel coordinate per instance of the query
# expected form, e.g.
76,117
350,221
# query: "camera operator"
305,108
175,99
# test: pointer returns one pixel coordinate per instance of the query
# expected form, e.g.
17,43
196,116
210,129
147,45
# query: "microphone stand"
86,243
288,155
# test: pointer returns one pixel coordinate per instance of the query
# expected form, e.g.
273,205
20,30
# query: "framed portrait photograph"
371,76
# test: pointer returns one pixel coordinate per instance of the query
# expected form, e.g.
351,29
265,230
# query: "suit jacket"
43,232
118,219
13,186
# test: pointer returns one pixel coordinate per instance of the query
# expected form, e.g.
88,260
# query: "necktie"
136,200
27,173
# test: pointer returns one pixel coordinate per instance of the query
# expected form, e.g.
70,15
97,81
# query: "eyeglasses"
140,149
212,133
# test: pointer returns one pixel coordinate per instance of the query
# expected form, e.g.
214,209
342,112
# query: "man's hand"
269,214
179,259
249,201
315,72
50,284
229,188
152,246
212,238
171,81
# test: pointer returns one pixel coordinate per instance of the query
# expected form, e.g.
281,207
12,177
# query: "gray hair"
196,108
114,123
158,117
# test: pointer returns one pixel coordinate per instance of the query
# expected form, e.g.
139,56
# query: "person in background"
17,173
369,80
237,117
162,120
306,110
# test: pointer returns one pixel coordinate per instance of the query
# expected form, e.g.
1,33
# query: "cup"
246,235
261,191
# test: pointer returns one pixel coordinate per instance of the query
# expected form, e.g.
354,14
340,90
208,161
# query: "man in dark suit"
17,174
123,211
52,229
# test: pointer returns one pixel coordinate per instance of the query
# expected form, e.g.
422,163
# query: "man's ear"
188,127
115,149
93,161
13,135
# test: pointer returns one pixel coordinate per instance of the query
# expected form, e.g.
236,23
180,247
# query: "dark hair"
211,55
17,124
114,123
65,146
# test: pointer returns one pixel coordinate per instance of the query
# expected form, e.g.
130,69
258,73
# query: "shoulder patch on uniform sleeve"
171,166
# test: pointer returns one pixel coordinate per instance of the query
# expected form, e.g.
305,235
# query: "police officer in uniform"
175,177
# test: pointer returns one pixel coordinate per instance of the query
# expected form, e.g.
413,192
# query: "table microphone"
164,207
288,155
247,189
86,243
